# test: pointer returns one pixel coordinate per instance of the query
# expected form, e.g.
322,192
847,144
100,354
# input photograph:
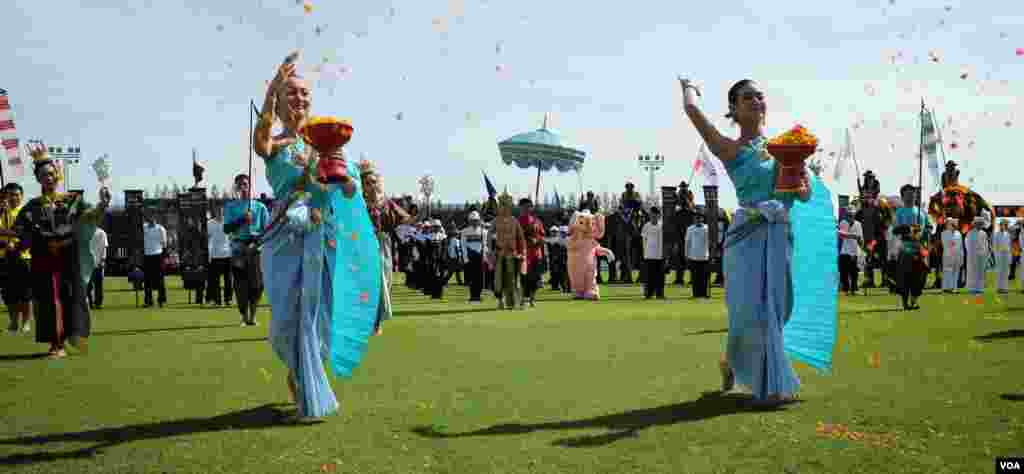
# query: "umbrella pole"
536,193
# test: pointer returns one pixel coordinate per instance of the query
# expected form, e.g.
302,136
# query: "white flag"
844,155
931,145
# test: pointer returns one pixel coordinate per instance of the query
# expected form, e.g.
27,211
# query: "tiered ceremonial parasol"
542,149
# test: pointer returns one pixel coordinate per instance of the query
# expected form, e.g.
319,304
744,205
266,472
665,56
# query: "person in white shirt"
474,242
978,252
697,256
852,235
654,257
454,253
98,250
154,244
220,260
952,256
1001,246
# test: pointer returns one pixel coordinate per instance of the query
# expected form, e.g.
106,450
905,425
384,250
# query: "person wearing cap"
558,258
952,256
978,251
851,237
697,252
1001,245
455,253
533,231
474,243
654,256
436,271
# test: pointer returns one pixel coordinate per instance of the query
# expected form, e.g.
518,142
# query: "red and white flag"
698,164
9,137
711,167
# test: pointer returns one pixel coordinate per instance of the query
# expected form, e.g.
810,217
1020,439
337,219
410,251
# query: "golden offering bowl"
327,135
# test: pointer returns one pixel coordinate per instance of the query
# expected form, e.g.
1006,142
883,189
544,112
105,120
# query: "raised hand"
36,149
286,70
686,83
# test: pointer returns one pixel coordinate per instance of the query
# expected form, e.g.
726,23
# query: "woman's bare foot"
728,376
378,331
291,389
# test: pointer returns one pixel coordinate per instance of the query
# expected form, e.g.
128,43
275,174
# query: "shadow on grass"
875,310
442,312
992,336
620,425
1013,397
16,357
232,341
707,331
131,332
265,416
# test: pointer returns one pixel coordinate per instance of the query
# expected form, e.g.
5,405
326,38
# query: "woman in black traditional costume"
57,228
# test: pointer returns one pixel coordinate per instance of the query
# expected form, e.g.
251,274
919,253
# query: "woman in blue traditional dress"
321,261
775,239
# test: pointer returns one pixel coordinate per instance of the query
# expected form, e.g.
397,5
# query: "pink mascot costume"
584,232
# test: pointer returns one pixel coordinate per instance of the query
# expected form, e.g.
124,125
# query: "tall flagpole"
251,180
942,148
920,162
856,165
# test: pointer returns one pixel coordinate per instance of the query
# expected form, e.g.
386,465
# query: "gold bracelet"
266,119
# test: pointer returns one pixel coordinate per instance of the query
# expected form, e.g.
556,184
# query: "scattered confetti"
399,116
1020,51
949,8
1008,124
842,432
870,90
876,360
497,48
220,28
499,68
329,467
954,145
364,297
266,374
979,300
307,7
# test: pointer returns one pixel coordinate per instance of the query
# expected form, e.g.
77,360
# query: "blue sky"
147,81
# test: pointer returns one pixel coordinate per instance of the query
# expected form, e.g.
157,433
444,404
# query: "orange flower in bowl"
327,135
791,150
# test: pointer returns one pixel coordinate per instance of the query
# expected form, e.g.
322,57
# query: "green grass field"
620,386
